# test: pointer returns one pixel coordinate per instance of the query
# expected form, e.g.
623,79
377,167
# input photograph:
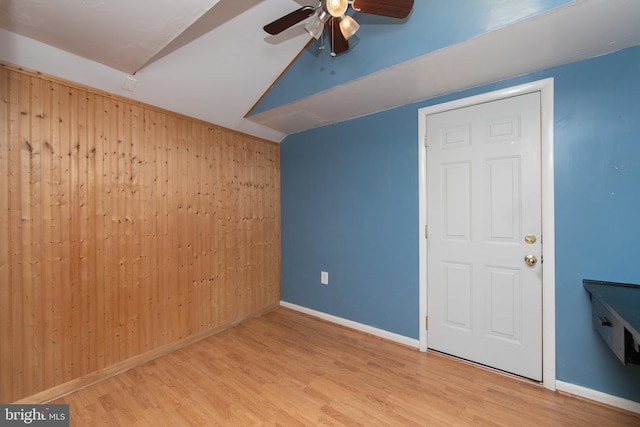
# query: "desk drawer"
609,328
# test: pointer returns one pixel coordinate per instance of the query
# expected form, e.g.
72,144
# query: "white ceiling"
122,34
210,59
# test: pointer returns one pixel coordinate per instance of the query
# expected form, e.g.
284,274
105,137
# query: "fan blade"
338,43
289,20
391,8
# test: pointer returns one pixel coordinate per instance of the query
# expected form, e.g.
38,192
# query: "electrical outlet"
324,278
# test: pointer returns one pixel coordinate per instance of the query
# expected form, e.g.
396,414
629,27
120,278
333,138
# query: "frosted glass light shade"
316,24
348,27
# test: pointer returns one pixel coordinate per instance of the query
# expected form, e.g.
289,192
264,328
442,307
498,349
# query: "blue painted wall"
350,207
382,42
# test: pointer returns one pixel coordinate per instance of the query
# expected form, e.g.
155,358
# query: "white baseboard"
401,339
598,396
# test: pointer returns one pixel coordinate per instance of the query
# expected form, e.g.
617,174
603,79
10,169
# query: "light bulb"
336,8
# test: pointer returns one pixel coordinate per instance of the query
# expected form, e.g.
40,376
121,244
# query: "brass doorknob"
530,259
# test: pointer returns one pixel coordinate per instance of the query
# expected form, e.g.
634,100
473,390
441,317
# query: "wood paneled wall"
123,229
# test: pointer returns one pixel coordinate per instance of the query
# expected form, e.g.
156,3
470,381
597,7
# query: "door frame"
545,87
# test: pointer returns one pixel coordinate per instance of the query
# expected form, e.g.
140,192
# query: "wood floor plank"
287,369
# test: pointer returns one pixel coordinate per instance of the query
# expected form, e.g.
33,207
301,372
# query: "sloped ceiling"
569,33
210,59
122,34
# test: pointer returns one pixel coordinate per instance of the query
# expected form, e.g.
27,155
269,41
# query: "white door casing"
481,255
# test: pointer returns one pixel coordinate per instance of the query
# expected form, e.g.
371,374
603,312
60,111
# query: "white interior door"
484,272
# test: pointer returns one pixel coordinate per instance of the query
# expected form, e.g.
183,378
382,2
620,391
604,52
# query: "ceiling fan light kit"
341,26
315,26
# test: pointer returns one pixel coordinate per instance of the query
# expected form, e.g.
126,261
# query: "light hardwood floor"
288,369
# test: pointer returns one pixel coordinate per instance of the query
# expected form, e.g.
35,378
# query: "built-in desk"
615,313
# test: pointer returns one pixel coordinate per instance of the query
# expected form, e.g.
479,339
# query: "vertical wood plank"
115,302
29,304
170,299
6,335
179,242
125,283
108,278
36,242
80,225
89,248
197,182
134,246
15,231
46,155
153,218
168,218
66,238
57,331
101,153
74,223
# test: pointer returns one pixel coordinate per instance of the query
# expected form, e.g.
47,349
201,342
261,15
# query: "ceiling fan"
333,14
